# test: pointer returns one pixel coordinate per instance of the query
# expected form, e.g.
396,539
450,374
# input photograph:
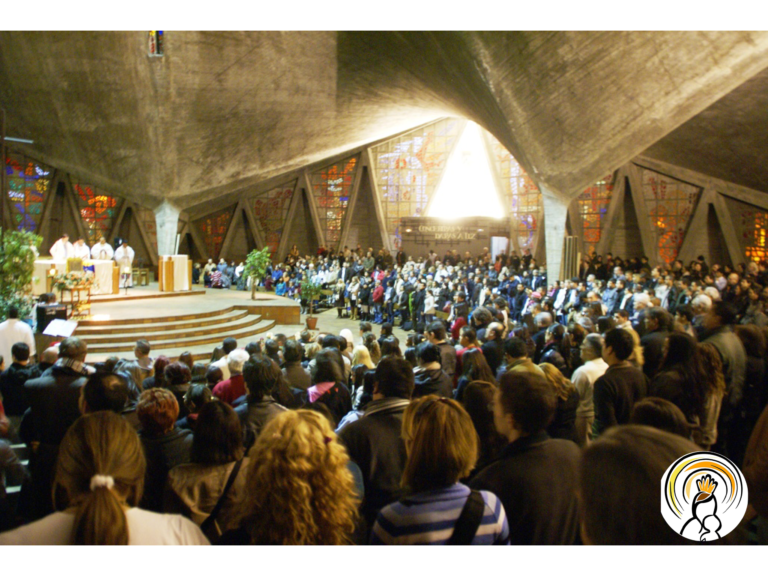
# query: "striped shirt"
429,518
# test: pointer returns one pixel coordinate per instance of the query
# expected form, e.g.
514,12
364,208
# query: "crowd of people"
516,411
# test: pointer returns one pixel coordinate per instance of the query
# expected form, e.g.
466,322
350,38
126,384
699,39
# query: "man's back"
12,389
54,405
616,392
375,444
535,478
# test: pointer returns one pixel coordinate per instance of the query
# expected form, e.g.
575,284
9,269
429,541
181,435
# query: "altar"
102,271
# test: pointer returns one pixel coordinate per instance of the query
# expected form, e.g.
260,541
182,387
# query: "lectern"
175,273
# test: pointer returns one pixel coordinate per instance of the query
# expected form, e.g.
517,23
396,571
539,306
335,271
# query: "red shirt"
230,390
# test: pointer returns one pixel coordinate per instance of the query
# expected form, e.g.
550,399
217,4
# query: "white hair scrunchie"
99,481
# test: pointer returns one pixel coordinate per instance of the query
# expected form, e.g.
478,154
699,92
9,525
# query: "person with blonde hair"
361,355
98,484
299,487
370,342
442,448
563,423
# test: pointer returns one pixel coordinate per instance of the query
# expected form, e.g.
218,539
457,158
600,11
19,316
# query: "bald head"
49,355
495,331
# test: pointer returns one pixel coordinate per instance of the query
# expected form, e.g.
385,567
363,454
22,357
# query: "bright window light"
468,187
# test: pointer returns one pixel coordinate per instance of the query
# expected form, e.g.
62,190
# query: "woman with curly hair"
299,488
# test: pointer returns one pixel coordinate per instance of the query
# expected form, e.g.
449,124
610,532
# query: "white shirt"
62,250
12,331
223,363
121,254
82,251
584,379
101,251
144,529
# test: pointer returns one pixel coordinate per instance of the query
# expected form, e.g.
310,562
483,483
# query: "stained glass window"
271,210
408,169
155,43
750,223
214,229
28,182
670,204
146,218
593,206
331,187
98,210
522,196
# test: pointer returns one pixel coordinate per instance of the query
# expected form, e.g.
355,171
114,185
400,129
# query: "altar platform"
175,322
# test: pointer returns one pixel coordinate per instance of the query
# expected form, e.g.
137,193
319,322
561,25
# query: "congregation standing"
505,382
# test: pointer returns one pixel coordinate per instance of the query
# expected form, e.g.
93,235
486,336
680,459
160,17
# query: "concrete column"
167,220
555,214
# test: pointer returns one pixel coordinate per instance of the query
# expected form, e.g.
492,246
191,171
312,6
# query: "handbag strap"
469,521
208,522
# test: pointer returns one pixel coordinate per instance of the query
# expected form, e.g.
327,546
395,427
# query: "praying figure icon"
704,523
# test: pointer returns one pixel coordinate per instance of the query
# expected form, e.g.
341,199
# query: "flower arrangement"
74,281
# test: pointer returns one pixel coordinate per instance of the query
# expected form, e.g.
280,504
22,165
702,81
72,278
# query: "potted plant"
17,264
255,267
311,292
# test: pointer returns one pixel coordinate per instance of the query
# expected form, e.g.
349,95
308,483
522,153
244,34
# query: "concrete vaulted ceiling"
223,111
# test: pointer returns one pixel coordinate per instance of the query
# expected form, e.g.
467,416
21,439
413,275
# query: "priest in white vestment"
101,250
81,250
62,248
124,258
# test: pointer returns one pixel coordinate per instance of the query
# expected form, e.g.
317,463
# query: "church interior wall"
745,222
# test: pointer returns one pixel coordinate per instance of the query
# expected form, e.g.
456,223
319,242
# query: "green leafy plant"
17,263
255,267
310,292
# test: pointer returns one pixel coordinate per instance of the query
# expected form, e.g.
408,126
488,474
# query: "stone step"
160,326
159,319
173,331
109,349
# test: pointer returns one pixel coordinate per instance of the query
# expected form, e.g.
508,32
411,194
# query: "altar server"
81,250
62,248
101,250
124,258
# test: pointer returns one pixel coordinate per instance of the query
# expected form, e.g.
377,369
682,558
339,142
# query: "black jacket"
653,351
54,405
432,382
255,415
162,453
616,392
535,478
12,389
374,443
297,376
493,350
